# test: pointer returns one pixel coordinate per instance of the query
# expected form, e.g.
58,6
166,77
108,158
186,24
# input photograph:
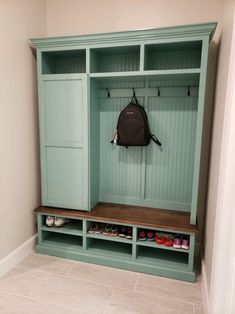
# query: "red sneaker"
159,238
169,241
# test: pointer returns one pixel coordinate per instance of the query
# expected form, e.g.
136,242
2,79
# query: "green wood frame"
114,58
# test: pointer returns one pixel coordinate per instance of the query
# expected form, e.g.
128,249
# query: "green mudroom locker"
84,82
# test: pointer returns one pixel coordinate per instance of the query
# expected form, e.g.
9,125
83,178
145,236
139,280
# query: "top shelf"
122,59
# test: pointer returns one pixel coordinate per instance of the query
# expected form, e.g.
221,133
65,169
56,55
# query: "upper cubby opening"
59,62
115,59
180,55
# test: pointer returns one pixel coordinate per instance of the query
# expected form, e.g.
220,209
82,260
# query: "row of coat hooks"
158,90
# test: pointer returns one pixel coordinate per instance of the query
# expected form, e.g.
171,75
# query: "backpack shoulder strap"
155,139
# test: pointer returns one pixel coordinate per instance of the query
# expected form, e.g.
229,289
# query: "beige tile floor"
49,285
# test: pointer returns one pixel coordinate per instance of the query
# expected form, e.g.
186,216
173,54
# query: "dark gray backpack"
133,127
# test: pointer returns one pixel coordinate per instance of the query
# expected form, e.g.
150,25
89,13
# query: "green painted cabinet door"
64,141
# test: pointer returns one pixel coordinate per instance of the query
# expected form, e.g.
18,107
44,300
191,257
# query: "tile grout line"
71,268
28,297
136,282
107,304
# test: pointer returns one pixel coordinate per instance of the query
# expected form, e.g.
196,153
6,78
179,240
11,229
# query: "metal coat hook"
189,91
108,93
158,91
133,91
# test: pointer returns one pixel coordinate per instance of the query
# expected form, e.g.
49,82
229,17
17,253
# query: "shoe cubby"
72,226
61,62
109,231
172,56
163,239
115,59
151,255
109,248
65,242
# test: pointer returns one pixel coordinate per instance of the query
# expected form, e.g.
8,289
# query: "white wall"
220,97
73,17
220,207
19,168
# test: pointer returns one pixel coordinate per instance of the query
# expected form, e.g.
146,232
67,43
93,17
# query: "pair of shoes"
110,230
181,242
164,238
96,228
146,235
125,232
56,221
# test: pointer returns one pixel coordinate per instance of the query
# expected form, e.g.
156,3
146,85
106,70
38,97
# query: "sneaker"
92,228
129,233
99,228
122,231
169,240
114,231
60,222
107,230
142,235
165,237
50,221
177,242
159,238
150,236
185,243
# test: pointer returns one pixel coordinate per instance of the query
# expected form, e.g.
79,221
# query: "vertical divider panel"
134,235
191,251
39,226
88,54
142,57
84,231
201,98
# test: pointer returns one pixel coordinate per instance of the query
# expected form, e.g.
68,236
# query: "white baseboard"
16,256
205,289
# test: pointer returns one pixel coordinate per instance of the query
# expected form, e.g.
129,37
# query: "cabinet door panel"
63,111
65,175
64,140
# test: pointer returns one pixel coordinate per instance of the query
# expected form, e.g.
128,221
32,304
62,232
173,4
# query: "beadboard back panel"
152,176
